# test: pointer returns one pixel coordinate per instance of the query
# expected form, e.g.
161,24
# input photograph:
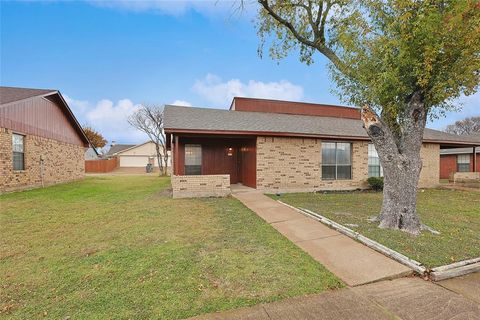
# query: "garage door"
133,161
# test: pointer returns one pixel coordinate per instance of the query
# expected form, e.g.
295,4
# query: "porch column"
175,158
474,159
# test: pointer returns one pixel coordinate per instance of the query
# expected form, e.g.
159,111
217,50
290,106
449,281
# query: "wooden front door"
248,164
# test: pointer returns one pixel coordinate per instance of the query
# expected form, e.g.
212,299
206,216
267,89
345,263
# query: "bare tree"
466,126
149,119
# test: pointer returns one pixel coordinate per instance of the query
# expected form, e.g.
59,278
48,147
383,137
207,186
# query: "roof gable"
30,111
116,148
146,148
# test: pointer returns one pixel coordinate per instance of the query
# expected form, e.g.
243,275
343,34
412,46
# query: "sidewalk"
349,260
406,298
358,266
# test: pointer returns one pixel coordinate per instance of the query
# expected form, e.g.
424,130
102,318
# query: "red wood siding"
241,165
289,107
448,165
40,117
248,169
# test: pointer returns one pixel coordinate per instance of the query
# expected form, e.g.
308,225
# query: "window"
463,163
193,159
374,167
18,152
336,161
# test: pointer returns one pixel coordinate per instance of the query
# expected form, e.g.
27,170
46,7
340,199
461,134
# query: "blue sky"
107,57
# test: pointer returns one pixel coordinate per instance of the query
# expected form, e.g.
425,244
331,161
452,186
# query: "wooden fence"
101,166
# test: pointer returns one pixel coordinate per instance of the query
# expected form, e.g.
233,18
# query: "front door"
248,164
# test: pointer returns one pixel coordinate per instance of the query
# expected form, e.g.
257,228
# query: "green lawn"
120,247
456,214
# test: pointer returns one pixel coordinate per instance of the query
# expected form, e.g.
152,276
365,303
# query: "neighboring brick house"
458,160
41,142
281,146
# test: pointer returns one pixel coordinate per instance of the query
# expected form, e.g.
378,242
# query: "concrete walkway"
358,266
351,261
406,298
468,286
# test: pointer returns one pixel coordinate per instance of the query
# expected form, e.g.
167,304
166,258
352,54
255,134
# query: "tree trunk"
165,160
399,152
159,158
400,195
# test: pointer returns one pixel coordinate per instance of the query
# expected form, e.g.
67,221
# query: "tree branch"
318,43
149,119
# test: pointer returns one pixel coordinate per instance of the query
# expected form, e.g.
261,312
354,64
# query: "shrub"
376,183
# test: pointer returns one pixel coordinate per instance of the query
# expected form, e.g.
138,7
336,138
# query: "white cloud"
109,118
178,7
181,103
77,106
221,92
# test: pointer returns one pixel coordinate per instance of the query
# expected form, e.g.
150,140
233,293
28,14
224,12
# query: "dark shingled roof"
117,148
10,94
179,118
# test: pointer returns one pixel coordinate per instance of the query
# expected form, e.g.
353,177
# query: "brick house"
458,160
281,146
41,142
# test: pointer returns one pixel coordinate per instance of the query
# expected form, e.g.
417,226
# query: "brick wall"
288,163
465,177
217,185
62,162
294,164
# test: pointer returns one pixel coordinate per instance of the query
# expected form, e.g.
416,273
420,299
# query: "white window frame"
16,150
192,145
372,153
463,160
336,165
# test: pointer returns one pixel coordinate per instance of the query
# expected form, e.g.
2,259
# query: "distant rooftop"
116,148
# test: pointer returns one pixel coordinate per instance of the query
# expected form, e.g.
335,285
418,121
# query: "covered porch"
205,164
460,164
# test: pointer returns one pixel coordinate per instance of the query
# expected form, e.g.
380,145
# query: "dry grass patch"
120,247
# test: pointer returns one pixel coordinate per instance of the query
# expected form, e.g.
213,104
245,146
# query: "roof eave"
31,98
72,116
305,135
263,133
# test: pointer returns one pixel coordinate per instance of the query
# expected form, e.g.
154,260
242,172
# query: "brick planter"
217,185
